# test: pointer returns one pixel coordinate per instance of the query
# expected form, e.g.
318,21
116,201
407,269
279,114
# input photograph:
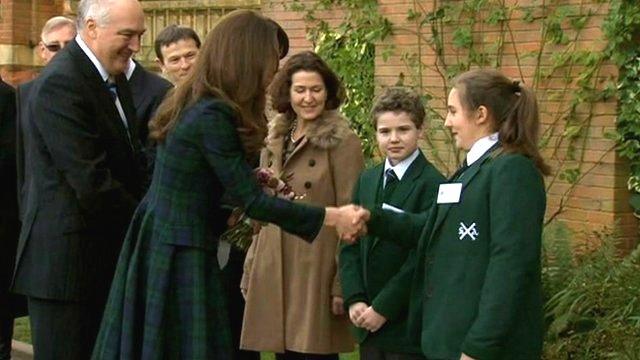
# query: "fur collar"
326,132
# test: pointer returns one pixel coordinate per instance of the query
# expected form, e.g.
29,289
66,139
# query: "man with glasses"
56,33
82,179
9,224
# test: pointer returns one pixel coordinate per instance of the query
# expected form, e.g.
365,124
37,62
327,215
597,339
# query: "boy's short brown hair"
399,99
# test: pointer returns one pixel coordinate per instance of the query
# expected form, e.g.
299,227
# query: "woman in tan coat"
294,299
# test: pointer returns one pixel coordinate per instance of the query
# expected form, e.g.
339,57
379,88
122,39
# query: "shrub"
592,299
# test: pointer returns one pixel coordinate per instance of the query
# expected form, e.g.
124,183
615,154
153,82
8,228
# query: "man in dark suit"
148,91
83,179
9,224
56,33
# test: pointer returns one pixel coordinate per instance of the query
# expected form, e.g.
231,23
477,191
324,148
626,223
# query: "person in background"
56,33
83,179
148,91
167,299
9,222
294,298
177,49
375,273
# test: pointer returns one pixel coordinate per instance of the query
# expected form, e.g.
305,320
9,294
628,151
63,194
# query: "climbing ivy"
452,34
622,28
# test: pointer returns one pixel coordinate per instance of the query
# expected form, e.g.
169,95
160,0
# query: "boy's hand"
337,305
355,310
371,320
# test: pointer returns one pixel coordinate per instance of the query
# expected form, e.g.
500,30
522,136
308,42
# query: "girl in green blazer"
476,292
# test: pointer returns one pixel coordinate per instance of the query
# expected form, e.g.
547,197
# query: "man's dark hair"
172,34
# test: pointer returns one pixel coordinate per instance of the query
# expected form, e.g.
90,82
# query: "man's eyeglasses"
53,47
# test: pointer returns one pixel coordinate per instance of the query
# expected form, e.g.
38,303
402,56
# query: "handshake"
350,221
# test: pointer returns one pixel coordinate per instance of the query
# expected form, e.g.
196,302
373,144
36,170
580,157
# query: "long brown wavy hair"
512,106
236,63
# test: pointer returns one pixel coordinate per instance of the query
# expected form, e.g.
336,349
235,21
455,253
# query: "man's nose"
134,44
184,63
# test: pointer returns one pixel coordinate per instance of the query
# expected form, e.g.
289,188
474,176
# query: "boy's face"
397,135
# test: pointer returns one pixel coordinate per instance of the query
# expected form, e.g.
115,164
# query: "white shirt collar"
401,168
103,72
130,68
480,147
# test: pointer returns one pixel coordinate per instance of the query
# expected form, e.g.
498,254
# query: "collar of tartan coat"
326,132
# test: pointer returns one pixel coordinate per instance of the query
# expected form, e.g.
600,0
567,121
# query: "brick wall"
600,199
20,25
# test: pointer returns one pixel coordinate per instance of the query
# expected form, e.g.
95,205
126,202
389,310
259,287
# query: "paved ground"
21,351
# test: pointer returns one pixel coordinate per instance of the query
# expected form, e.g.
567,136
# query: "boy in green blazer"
376,274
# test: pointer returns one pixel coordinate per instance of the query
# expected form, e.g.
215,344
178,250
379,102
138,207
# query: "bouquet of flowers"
241,228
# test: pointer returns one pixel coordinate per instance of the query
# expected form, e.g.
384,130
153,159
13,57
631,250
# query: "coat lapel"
372,181
300,146
408,182
465,179
126,100
406,185
275,147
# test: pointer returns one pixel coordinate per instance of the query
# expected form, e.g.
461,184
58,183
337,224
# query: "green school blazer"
379,272
477,286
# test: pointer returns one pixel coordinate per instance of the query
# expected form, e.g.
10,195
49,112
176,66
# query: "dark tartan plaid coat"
167,300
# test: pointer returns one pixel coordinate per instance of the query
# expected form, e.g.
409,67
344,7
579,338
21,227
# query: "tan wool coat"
289,282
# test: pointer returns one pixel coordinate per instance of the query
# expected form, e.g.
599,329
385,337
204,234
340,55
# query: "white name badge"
449,193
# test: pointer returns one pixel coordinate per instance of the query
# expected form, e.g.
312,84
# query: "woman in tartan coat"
167,299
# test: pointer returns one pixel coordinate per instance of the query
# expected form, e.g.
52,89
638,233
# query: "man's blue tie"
113,89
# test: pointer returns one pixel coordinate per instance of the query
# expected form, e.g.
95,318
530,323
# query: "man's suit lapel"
126,100
100,90
465,179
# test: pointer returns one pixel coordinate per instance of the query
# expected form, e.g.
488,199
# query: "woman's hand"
337,305
355,310
466,357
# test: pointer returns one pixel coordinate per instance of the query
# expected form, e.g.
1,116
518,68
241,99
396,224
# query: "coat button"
307,185
312,162
429,292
